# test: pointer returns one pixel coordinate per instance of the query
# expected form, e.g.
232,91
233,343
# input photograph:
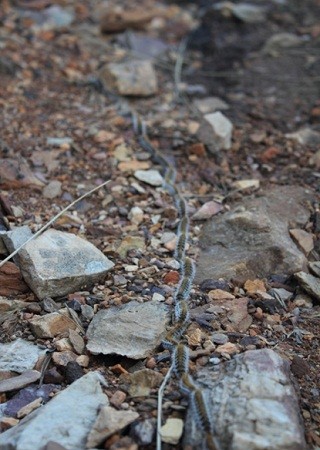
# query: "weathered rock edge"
67,419
253,404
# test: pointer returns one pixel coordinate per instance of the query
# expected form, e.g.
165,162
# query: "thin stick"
160,398
179,64
52,221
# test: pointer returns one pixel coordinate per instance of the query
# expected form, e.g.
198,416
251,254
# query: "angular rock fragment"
11,282
108,422
66,419
51,325
131,78
252,240
141,382
252,403
216,132
210,105
309,283
152,177
315,268
19,356
171,431
16,174
303,239
19,382
133,330
281,41
57,263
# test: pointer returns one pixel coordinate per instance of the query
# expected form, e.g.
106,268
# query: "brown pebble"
118,398
118,369
125,443
8,422
299,366
151,363
198,149
258,314
171,277
111,440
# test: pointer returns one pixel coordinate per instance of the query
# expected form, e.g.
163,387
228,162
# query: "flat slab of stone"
19,382
133,330
66,419
19,356
253,404
252,239
131,78
57,263
310,284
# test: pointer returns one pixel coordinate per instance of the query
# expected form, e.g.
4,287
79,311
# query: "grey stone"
19,356
66,419
219,338
108,422
87,312
57,263
281,41
152,177
315,268
144,431
57,141
305,136
252,240
249,13
53,189
3,248
15,238
309,283
133,330
131,78
216,132
253,404
210,104
19,382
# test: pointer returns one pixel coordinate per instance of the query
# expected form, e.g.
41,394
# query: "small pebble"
219,338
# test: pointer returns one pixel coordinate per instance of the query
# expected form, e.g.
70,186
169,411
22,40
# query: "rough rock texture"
216,132
19,356
309,283
252,240
133,330
51,325
108,422
19,382
57,263
66,419
253,404
133,77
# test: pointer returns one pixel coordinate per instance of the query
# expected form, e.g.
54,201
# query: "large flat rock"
253,240
253,404
66,419
133,330
19,356
57,263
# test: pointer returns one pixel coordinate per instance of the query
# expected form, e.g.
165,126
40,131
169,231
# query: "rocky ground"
230,93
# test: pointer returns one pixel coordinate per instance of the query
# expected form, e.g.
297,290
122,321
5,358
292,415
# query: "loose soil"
49,88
